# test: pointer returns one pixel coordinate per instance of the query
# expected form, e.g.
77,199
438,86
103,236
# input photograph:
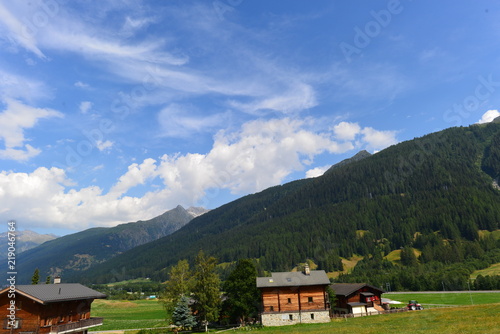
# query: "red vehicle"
413,305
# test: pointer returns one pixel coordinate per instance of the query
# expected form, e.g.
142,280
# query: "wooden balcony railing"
76,326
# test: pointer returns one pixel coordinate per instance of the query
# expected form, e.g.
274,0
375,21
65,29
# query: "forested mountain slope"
439,184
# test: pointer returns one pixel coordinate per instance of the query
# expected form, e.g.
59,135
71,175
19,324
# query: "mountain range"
80,251
439,186
437,190
24,240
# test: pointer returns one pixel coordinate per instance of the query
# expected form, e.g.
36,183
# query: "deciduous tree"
206,290
180,283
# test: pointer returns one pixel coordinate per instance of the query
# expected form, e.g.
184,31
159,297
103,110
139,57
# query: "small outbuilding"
357,299
294,297
48,308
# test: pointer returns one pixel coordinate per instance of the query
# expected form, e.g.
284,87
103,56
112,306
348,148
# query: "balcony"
78,326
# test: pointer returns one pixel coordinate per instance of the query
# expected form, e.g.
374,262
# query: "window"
289,300
309,299
312,316
290,316
271,308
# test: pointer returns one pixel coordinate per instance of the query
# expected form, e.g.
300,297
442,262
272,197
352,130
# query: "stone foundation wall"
292,318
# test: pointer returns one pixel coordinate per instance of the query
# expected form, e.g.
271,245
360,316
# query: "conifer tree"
182,315
36,277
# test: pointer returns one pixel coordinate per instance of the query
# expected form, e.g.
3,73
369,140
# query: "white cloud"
104,146
297,98
315,172
136,174
16,118
346,130
165,66
80,84
261,154
18,31
377,140
367,137
85,106
178,120
18,87
489,116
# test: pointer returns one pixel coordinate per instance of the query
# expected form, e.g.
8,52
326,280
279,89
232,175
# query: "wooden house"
294,297
47,308
357,298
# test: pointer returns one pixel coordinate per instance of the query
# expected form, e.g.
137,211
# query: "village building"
48,308
357,299
294,297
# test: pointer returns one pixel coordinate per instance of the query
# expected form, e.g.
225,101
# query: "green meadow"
482,317
436,299
128,314
465,319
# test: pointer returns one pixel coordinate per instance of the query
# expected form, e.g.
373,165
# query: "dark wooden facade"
290,299
355,295
294,297
34,315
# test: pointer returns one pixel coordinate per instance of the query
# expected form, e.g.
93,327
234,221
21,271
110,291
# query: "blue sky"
116,111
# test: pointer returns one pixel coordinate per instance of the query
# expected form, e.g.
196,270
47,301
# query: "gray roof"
345,289
317,277
49,293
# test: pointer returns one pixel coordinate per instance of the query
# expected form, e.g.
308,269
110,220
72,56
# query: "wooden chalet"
294,297
48,308
357,298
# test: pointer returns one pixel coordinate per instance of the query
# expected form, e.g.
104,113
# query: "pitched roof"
49,293
316,277
345,289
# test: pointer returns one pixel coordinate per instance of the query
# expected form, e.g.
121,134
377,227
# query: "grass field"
465,319
482,317
446,298
128,314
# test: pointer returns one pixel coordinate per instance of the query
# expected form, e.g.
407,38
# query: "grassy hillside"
490,271
433,193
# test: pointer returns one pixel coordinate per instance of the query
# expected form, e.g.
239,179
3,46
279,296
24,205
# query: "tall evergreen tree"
242,293
36,277
182,315
47,280
206,289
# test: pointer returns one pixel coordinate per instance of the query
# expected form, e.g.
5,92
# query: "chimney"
307,271
57,279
